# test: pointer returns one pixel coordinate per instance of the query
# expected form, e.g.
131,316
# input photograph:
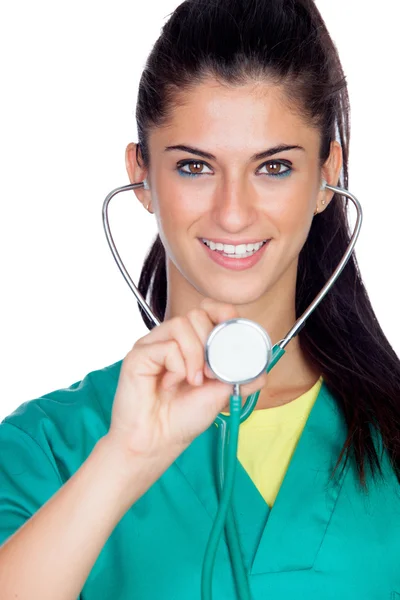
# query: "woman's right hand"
158,409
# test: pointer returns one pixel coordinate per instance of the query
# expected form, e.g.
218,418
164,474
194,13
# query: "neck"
275,311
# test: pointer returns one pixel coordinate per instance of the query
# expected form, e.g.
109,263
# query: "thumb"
206,400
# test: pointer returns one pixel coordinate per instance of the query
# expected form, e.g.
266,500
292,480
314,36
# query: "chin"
232,294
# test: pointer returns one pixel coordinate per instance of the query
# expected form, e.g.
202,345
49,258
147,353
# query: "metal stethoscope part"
237,352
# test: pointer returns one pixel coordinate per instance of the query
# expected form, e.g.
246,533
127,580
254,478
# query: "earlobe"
323,201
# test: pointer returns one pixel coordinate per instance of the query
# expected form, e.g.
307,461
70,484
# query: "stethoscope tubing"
223,454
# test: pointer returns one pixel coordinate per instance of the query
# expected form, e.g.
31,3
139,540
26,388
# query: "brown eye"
195,167
275,168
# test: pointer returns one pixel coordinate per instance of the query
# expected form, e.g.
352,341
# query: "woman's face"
234,196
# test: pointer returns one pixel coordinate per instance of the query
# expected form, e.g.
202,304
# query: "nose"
234,206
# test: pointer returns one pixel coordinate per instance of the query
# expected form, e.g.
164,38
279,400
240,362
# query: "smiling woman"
108,488
240,198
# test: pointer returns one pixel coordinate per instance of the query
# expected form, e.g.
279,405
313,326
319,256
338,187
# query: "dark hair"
287,43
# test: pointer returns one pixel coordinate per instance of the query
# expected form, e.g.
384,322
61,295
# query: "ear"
331,172
136,173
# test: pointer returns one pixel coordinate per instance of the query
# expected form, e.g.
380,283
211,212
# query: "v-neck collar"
288,536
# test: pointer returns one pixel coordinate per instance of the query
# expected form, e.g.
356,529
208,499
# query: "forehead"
235,118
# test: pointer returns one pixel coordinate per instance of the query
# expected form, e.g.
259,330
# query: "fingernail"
198,380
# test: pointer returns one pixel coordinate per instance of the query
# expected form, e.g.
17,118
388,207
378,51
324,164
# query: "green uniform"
322,539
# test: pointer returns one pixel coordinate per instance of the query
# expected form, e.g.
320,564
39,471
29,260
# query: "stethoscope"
237,351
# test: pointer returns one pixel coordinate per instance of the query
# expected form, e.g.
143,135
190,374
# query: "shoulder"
66,422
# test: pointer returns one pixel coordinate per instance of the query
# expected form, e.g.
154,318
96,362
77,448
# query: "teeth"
241,249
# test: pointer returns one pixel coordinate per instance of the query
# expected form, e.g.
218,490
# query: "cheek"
292,223
178,216
289,214
176,203
175,215
295,222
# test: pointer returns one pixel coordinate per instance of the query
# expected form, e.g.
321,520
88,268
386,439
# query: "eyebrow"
258,156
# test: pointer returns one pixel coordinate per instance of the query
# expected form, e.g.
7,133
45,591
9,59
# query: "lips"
235,264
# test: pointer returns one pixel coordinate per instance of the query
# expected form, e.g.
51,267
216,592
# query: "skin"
238,199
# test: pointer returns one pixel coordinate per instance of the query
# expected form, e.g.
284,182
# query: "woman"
108,488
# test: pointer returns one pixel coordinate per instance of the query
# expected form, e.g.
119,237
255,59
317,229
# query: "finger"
204,319
175,365
219,311
181,330
210,313
154,359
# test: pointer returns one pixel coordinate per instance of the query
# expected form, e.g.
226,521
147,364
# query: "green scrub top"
323,539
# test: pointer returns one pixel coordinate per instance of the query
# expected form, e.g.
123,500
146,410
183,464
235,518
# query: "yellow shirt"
268,438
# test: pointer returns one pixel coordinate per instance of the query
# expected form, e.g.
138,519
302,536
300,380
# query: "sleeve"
27,478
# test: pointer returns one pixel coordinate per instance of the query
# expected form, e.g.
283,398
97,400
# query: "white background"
69,81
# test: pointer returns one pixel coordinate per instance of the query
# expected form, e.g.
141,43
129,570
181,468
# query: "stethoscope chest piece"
238,351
